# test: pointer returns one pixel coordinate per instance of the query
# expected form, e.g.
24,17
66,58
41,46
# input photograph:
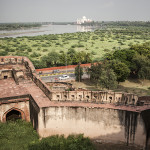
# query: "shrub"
34,54
72,142
3,53
93,53
45,50
80,45
29,50
44,45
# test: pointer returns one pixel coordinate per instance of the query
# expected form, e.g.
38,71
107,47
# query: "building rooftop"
8,88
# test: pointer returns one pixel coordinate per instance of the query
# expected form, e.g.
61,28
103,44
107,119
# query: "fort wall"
96,123
42,85
51,117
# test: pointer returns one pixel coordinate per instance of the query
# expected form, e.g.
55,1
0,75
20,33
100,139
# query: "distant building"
83,20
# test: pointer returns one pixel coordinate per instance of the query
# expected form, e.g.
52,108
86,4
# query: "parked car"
64,77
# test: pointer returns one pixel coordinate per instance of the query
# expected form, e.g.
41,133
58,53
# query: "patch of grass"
72,142
138,87
85,84
17,135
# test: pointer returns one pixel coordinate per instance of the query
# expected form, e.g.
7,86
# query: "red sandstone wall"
63,67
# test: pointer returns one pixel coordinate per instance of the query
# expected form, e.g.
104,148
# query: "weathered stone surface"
102,115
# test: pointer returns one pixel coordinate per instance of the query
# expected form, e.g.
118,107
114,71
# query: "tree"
95,72
72,56
141,67
121,70
62,58
52,59
108,79
143,49
125,56
78,73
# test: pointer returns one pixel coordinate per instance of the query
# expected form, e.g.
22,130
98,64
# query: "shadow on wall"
128,119
33,114
146,119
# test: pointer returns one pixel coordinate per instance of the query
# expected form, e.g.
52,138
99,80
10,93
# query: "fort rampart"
73,112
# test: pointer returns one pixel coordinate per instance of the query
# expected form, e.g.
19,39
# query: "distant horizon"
75,21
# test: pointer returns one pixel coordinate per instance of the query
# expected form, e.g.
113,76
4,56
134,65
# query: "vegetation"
72,142
73,48
21,135
136,61
122,47
101,74
14,26
133,62
78,73
17,135
108,79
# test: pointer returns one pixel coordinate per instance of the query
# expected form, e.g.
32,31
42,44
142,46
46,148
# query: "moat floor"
111,146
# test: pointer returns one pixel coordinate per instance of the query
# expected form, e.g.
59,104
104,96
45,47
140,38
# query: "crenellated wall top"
6,60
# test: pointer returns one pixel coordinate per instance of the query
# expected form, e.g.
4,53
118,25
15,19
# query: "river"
45,29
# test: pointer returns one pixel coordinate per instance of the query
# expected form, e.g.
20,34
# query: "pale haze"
70,10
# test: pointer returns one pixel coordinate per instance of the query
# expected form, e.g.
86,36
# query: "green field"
98,43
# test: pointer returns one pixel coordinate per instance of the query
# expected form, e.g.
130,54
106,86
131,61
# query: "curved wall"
105,124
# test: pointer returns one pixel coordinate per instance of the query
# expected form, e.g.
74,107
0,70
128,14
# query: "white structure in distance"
83,20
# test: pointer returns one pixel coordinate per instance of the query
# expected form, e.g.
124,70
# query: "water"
46,29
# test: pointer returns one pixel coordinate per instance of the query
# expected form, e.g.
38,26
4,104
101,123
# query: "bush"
29,50
80,45
93,53
3,53
34,54
72,142
45,50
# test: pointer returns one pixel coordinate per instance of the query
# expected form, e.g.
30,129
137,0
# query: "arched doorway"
13,115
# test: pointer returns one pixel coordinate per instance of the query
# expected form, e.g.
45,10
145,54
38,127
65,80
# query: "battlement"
96,97
14,60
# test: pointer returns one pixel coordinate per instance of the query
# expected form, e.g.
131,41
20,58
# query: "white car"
63,77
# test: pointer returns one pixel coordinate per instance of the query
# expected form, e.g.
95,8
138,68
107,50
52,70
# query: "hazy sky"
70,10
